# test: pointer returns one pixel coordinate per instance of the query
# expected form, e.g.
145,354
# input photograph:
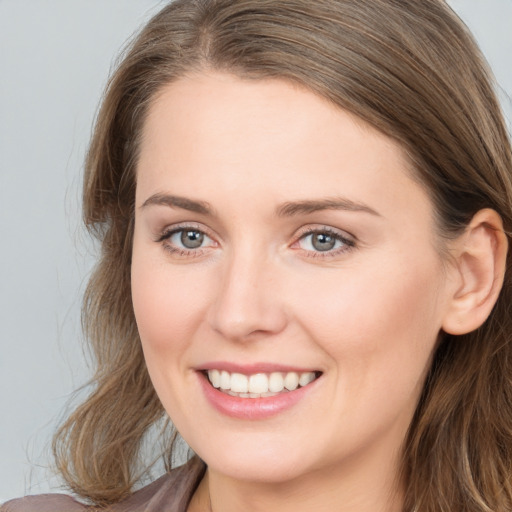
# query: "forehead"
215,132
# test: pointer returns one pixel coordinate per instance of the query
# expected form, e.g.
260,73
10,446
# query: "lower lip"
252,408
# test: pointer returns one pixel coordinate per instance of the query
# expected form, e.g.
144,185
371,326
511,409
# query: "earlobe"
480,262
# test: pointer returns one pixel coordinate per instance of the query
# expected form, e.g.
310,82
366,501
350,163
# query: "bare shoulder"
44,503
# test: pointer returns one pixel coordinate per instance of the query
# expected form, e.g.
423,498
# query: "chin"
245,467
254,458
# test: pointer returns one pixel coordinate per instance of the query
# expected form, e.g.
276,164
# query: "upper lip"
253,368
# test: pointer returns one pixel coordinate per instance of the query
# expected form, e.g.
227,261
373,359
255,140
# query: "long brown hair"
411,69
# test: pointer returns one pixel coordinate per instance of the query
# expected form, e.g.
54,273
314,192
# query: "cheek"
168,308
380,317
378,332
168,304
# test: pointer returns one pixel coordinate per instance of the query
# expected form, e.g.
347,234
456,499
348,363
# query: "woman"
304,211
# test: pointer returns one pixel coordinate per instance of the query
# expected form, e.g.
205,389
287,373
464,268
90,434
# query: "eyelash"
347,243
164,239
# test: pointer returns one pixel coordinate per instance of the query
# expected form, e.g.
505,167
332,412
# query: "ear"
479,263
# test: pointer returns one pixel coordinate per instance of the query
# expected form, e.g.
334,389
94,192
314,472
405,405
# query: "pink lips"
250,369
251,408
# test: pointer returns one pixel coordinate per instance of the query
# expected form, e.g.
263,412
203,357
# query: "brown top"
170,493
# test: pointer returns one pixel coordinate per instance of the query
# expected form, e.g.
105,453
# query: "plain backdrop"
55,57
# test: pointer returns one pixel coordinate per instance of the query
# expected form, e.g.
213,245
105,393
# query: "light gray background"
55,57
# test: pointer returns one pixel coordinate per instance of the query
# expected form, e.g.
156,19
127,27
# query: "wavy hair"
411,69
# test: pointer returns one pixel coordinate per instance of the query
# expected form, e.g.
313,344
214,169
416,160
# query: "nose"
248,304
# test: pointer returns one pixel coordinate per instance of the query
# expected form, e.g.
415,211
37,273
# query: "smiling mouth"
259,385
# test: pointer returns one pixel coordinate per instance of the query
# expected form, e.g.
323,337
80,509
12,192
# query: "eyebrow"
184,203
288,209
310,206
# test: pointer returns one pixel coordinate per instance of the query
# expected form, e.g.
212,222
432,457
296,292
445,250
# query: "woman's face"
279,239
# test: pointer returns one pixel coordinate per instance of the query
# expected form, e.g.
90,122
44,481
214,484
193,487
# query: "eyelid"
165,235
182,226
349,240
322,228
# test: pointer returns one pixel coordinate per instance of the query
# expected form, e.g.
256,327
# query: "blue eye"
185,241
324,241
188,238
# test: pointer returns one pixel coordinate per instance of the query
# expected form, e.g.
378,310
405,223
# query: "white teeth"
291,381
239,383
225,380
259,384
276,382
305,378
214,376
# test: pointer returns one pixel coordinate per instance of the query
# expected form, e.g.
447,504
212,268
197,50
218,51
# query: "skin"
367,316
